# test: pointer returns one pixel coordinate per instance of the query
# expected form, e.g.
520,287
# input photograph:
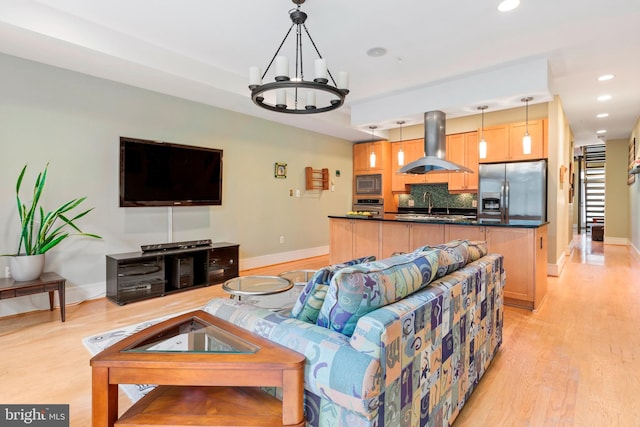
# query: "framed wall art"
280,170
632,157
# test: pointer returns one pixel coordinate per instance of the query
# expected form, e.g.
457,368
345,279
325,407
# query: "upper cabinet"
413,150
362,157
462,148
504,142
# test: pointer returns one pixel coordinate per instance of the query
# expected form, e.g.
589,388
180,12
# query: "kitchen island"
523,244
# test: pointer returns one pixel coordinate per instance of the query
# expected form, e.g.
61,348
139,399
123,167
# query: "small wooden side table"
209,373
48,282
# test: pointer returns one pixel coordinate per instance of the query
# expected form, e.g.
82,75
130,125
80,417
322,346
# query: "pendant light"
482,147
401,151
372,157
526,139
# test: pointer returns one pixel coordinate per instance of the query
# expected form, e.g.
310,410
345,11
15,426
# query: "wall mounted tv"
166,174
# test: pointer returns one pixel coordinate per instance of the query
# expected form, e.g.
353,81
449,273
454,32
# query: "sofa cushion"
477,249
310,300
357,290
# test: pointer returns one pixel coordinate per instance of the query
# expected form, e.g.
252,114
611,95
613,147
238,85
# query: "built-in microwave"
369,184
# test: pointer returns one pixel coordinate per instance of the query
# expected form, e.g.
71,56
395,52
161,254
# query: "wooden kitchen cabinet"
497,138
525,262
464,232
353,238
413,150
408,236
462,148
538,140
524,249
397,180
504,142
361,157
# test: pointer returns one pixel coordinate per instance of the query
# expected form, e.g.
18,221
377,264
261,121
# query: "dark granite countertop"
465,221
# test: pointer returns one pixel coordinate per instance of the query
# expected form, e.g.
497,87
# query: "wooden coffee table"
208,373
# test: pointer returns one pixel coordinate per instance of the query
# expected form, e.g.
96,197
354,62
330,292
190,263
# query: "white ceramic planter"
26,267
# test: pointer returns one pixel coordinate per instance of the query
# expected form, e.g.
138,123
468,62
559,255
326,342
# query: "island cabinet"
525,263
462,148
465,232
362,154
525,258
352,238
407,236
504,142
524,249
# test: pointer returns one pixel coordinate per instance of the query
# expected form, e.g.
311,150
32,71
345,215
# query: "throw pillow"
452,256
312,297
477,249
357,290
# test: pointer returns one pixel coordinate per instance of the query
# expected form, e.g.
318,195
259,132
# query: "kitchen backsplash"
440,197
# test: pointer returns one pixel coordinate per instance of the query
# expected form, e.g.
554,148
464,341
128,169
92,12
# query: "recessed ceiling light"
507,5
604,97
602,115
605,77
601,131
376,51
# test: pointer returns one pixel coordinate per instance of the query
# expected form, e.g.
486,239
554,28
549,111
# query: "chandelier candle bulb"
255,78
282,67
321,69
343,80
311,99
281,98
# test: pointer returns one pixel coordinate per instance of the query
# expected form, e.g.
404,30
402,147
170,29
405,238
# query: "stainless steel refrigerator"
512,191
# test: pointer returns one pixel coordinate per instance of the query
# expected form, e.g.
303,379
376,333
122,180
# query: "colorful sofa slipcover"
414,358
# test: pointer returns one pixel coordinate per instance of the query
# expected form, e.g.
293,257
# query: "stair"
594,167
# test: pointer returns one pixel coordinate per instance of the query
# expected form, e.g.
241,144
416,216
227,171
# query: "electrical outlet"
474,203
297,193
281,239
291,192
7,272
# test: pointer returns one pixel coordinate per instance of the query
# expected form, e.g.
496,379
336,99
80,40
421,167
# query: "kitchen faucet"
424,200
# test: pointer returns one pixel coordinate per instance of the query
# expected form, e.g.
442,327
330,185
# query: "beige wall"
616,204
74,122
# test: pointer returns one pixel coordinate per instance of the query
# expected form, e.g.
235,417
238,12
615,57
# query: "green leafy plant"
42,230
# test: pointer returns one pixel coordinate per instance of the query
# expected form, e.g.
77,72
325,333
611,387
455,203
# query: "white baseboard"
271,259
555,269
620,241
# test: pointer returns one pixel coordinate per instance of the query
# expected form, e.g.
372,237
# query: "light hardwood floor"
574,362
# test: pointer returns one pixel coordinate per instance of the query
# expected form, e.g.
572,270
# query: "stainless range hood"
434,149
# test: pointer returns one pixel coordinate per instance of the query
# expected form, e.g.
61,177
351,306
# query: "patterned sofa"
397,342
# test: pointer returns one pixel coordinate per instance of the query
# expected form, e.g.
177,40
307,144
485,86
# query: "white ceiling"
451,55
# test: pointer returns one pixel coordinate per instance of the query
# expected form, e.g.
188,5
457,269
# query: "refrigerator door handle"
506,201
502,202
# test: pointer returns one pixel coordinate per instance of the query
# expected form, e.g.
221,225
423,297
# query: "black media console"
135,276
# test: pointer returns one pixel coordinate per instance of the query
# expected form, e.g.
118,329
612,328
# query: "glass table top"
194,335
257,285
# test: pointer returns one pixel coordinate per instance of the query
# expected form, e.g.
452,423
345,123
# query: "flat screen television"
167,174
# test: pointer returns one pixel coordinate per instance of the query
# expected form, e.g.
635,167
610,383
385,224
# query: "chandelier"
294,94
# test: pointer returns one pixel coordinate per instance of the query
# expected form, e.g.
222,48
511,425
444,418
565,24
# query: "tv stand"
136,276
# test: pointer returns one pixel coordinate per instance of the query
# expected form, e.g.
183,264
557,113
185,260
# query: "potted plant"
40,230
